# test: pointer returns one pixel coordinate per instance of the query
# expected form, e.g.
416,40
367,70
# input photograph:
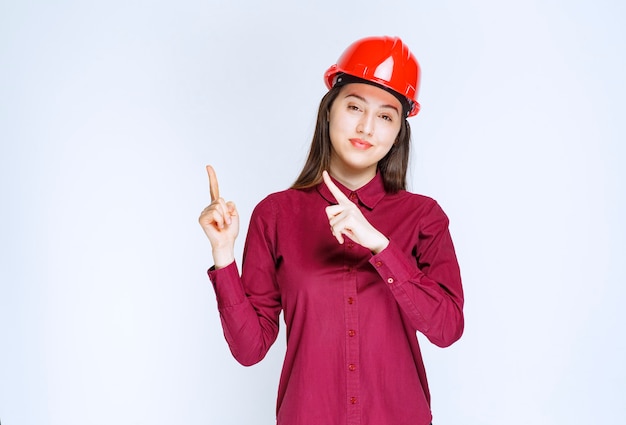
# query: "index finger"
213,186
337,193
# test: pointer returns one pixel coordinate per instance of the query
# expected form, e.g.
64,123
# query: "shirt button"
352,196
350,245
379,263
351,332
352,400
351,367
390,280
350,300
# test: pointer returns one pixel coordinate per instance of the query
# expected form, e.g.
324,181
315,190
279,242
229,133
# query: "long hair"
393,166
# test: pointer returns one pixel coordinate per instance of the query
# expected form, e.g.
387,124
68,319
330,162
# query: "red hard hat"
382,60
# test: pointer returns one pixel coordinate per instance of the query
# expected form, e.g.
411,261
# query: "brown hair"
393,167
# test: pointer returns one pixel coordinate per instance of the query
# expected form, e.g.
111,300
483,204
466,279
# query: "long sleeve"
427,285
249,305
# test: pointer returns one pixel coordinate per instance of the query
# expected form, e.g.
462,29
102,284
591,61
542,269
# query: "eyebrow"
361,98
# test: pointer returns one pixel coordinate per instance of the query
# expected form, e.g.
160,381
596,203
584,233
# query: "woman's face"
364,122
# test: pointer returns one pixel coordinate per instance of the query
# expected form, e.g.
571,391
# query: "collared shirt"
351,317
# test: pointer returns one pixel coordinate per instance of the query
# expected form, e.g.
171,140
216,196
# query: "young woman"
356,263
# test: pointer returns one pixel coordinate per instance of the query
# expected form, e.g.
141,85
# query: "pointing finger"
337,193
213,186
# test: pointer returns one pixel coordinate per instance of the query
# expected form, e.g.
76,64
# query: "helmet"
385,61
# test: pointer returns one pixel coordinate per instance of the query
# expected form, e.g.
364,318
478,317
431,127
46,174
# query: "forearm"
250,332
433,306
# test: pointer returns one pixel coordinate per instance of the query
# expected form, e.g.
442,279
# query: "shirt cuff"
394,267
227,285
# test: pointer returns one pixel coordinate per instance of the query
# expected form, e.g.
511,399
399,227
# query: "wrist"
222,258
380,245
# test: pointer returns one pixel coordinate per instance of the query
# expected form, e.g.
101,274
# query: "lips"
360,143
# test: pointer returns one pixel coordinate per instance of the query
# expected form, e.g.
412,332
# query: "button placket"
351,338
352,259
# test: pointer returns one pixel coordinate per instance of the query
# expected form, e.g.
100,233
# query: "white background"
109,111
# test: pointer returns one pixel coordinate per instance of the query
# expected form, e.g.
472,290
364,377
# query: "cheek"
390,136
333,133
338,127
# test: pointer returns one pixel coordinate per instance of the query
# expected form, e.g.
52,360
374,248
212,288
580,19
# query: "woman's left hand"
345,218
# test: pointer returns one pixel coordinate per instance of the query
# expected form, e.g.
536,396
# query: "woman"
356,263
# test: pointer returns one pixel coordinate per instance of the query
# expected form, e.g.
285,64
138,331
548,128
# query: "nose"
366,124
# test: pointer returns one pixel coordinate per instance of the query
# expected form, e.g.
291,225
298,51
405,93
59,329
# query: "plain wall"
109,111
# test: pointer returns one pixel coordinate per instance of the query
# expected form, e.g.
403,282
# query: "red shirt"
352,351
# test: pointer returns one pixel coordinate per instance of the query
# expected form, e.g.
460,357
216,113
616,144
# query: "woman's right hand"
220,222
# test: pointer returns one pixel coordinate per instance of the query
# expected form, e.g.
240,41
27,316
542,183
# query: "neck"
352,179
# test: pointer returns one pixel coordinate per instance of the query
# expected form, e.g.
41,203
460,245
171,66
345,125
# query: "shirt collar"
368,195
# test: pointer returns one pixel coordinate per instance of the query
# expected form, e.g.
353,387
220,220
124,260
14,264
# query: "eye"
386,117
353,107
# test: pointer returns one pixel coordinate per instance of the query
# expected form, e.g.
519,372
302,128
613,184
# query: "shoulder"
288,199
405,195
288,196
423,207
413,199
